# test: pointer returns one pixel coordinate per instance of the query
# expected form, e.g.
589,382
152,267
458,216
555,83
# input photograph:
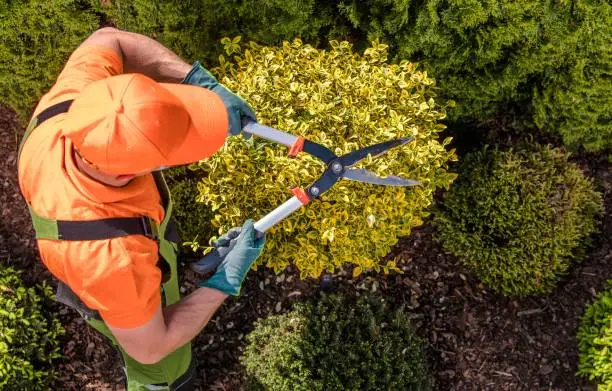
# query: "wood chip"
529,312
503,373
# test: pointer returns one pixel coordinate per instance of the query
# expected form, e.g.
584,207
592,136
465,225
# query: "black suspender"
52,111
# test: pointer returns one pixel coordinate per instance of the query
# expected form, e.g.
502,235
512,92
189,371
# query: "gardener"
123,108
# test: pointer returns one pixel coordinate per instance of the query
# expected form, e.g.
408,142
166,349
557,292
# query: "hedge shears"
338,167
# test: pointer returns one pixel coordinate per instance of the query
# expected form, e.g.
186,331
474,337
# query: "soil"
477,340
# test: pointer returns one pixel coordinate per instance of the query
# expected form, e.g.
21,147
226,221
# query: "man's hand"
239,248
237,109
141,54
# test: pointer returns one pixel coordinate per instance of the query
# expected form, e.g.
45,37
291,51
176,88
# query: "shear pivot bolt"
336,167
314,191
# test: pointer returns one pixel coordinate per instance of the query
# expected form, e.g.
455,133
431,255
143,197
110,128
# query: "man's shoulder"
40,158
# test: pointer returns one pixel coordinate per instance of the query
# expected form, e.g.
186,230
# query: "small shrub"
28,339
595,341
551,58
344,101
518,218
337,344
36,38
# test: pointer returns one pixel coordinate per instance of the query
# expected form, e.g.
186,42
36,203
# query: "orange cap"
129,124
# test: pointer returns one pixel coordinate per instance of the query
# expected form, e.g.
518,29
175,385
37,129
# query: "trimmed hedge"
337,343
344,101
36,38
518,219
29,346
595,341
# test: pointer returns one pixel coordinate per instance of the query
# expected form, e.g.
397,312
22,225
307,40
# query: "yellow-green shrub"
595,341
29,335
344,101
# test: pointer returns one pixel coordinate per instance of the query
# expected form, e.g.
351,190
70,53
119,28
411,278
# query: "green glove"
238,110
238,249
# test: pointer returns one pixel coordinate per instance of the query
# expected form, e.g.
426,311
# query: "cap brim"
208,128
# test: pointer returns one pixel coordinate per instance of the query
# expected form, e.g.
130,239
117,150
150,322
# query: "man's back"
124,289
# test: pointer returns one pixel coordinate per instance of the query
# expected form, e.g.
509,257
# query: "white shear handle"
209,263
269,133
278,214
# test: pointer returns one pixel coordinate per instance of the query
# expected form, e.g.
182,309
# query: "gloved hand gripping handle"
210,261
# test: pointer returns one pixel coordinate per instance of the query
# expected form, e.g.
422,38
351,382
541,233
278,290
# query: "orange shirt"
118,277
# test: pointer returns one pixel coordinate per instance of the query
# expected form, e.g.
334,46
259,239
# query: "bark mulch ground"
477,340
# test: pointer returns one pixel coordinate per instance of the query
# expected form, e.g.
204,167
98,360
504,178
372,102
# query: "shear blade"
366,176
376,150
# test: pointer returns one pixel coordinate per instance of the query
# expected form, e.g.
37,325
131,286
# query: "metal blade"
366,176
376,150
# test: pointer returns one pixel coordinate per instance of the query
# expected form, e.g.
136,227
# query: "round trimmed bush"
518,219
344,101
595,341
337,344
29,347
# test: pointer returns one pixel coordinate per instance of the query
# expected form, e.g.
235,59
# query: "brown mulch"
17,245
89,363
477,340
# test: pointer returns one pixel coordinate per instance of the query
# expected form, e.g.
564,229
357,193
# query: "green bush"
518,218
553,58
595,341
193,29
36,38
344,101
28,335
337,344
575,98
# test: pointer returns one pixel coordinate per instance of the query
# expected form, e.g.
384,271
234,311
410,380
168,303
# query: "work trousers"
175,372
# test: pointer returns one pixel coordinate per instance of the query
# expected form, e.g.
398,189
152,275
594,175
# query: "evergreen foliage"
36,39
550,58
194,28
337,344
192,218
518,219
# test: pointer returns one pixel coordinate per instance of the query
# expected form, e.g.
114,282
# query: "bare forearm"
143,55
185,319
170,327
